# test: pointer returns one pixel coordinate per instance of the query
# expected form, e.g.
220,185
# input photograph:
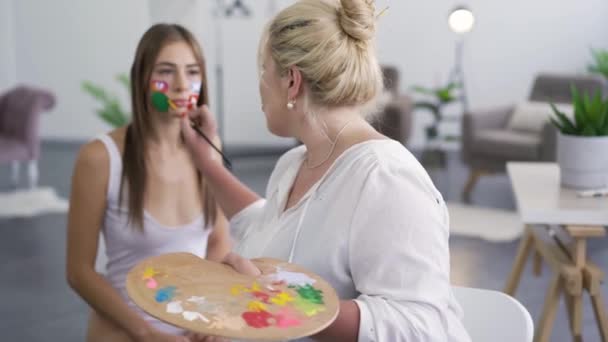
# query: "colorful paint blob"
307,308
151,283
159,86
192,316
165,294
287,318
282,299
310,294
175,307
258,319
149,272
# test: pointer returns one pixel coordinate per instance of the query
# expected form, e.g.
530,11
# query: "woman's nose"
181,82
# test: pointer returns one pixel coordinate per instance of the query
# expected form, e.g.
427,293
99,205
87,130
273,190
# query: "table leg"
538,263
574,304
545,325
520,260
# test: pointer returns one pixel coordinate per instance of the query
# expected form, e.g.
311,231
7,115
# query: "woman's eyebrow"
193,65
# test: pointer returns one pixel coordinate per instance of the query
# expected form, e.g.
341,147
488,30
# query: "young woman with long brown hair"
139,187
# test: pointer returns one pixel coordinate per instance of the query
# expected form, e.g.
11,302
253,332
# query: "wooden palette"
285,302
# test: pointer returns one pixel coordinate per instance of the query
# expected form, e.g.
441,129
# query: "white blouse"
376,228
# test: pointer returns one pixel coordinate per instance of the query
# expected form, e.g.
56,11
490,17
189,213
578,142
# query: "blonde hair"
331,43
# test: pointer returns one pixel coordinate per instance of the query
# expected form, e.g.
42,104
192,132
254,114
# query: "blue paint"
165,294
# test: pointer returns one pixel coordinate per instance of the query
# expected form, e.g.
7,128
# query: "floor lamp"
460,21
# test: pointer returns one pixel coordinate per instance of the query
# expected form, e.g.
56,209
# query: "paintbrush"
199,102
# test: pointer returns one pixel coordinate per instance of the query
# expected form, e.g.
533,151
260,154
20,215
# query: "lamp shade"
461,20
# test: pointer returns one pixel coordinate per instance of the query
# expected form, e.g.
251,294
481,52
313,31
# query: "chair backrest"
391,78
494,316
556,88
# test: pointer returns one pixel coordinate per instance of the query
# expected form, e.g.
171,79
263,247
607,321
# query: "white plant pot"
583,161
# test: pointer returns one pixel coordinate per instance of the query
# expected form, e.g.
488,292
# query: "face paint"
195,87
159,86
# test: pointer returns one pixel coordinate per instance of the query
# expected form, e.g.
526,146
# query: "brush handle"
198,130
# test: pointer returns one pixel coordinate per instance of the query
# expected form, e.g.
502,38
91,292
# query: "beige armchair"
488,141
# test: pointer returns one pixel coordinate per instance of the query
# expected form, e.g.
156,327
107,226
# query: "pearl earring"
290,104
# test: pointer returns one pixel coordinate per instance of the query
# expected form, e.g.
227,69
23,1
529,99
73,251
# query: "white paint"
197,300
291,278
192,315
175,307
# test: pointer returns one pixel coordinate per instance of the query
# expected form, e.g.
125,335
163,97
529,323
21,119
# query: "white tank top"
126,245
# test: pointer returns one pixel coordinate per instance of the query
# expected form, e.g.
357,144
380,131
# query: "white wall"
8,75
511,42
233,41
62,42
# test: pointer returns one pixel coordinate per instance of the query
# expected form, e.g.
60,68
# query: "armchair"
489,141
19,138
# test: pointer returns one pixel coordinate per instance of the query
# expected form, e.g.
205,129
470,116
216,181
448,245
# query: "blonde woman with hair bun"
349,204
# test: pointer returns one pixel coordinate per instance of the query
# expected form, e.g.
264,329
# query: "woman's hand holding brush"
199,129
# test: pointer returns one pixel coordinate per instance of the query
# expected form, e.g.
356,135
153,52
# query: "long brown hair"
139,130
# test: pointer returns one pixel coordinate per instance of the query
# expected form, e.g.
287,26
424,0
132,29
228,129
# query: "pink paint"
151,283
286,318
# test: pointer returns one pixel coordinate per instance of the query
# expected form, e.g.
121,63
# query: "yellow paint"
238,289
282,299
307,308
149,272
256,306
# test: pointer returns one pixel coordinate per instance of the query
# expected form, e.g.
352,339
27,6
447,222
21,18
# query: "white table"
541,201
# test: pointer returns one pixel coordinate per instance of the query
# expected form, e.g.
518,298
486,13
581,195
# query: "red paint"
259,319
261,296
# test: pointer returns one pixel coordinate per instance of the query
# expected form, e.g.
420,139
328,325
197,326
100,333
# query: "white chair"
494,316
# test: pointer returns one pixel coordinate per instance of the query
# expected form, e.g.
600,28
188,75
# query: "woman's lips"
181,102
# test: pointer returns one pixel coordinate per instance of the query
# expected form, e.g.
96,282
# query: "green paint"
160,101
310,294
306,307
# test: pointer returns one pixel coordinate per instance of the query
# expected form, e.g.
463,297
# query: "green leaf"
124,80
567,126
423,90
95,91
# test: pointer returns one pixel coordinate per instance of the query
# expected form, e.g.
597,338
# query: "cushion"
532,116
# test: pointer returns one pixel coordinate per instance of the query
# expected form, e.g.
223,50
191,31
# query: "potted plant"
582,143
111,110
440,97
600,62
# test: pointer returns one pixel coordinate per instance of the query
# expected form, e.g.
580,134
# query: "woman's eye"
165,71
194,72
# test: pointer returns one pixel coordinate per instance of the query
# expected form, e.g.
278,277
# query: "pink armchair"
19,129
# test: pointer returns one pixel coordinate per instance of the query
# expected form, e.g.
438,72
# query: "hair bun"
357,19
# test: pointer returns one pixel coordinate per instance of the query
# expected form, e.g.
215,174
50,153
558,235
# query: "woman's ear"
294,82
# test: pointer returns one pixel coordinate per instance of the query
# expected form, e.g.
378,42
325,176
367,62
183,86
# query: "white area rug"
495,225
31,202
